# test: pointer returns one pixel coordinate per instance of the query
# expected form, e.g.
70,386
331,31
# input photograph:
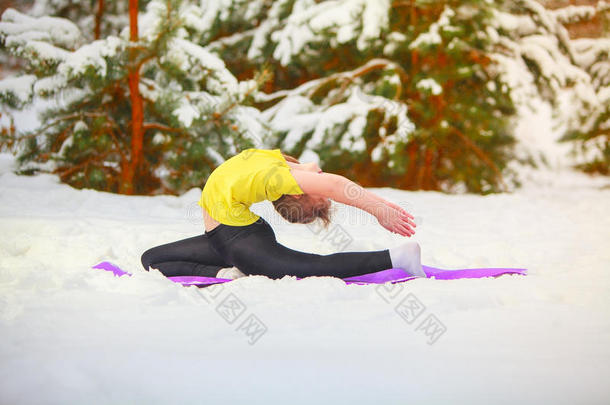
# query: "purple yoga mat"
380,277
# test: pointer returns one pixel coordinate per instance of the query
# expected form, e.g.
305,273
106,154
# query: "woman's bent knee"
147,258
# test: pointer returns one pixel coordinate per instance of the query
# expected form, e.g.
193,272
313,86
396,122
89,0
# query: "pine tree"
590,130
451,63
411,94
571,71
390,93
147,111
96,19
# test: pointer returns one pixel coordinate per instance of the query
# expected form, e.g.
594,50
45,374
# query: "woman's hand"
395,219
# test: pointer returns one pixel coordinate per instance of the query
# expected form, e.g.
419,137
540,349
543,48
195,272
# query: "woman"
301,193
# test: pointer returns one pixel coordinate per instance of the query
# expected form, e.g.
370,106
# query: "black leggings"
253,249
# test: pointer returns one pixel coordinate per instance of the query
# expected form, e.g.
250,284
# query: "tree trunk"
137,107
98,19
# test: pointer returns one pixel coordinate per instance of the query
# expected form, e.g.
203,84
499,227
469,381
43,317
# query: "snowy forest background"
149,97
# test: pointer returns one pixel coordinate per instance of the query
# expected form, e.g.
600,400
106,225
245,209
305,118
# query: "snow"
432,36
515,24
573,72
335,22
199,62
250,125
201,16
544,50
19,87
83,335
573,14
375,18
217,157
21,28
185,113
297,116
181,50
260,35
41,50
393,40
292,115
150,23
590,51
91,55
430,85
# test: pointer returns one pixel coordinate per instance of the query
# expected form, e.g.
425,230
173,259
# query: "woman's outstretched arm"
343,190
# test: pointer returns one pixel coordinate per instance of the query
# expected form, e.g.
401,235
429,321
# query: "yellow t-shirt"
251,176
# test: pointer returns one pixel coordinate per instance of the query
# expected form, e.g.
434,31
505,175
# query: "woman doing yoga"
301,193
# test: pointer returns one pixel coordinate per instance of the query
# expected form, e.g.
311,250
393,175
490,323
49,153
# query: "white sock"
230,273
407,257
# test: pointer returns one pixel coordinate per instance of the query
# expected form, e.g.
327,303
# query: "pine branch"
58,120
259,80
85,163
161,127
117,144
479,152
310,87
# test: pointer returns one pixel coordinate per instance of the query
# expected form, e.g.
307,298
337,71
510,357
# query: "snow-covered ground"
71,334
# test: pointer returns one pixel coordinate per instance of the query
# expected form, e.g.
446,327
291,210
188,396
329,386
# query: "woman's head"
303,208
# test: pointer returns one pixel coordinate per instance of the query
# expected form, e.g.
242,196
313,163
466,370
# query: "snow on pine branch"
339,117
432,35
339,21
593,55
41,40
199,62
537,58
19,29
89,58
17,91
222,93
200,17
222,88
83,13
93,55
573,14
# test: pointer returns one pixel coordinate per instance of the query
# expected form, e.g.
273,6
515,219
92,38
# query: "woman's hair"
301,210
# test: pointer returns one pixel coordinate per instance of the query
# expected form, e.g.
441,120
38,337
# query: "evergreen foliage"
571,74
193,106
95,18
410,94
399,94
